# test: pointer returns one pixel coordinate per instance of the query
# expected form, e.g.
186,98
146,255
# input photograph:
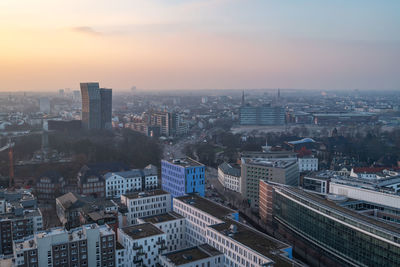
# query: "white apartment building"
200,213
229,176
120,183
173,225
90,245
143,244
308,163
120,253
218,226
144,204
202,255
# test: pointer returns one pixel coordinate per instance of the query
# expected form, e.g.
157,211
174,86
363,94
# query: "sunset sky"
192,44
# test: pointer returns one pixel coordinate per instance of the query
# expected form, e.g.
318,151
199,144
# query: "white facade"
120,183
146,204
197,220
173,225
143,244
231,182
369,195
308,164
120,252
237,253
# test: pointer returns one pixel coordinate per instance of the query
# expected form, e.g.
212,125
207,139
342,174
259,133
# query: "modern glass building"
96,106
263,115
350,238
183,176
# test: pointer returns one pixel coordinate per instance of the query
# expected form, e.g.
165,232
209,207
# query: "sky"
46,45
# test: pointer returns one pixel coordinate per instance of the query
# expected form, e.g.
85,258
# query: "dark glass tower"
96,106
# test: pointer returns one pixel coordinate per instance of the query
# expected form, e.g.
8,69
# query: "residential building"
340,230
173,225
202,255
20,218
229,176
91,177
283,171
49,185
144,204
218,226
120,183
74,210
90,245
200,213
182,176
143,244
262,115
120,253
96,106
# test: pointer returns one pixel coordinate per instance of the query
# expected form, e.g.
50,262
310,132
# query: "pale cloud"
86,30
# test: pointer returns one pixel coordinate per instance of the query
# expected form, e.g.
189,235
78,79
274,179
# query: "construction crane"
10,146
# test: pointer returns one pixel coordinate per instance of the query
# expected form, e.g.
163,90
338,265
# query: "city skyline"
214,44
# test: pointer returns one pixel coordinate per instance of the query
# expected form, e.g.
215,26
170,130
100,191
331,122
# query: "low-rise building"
143,244
229,176
308,163
202,255
147,203
120,183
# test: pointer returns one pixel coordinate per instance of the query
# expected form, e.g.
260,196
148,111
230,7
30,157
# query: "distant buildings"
262,115
344,118
182,176
89,245
44,105
96,106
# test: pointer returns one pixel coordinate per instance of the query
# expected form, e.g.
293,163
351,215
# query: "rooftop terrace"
192,254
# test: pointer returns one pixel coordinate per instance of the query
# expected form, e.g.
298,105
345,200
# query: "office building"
283,171
182,176
143,244
202,255
308,163
144,204
337,229
263,115
96,106
90,245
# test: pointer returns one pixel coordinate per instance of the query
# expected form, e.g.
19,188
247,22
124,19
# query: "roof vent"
187,257
233,228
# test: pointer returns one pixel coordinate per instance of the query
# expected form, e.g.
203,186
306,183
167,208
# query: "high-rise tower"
96,106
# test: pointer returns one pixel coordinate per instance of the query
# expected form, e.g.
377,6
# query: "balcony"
136,247
160,242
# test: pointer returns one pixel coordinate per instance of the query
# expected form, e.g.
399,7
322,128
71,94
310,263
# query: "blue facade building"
183,176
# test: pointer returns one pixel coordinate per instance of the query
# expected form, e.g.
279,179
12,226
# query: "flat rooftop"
255,240
192,254
386,226
140,231
206,205
144,194
185,162
170,216
275,163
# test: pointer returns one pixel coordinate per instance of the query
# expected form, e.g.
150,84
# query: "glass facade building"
353,239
